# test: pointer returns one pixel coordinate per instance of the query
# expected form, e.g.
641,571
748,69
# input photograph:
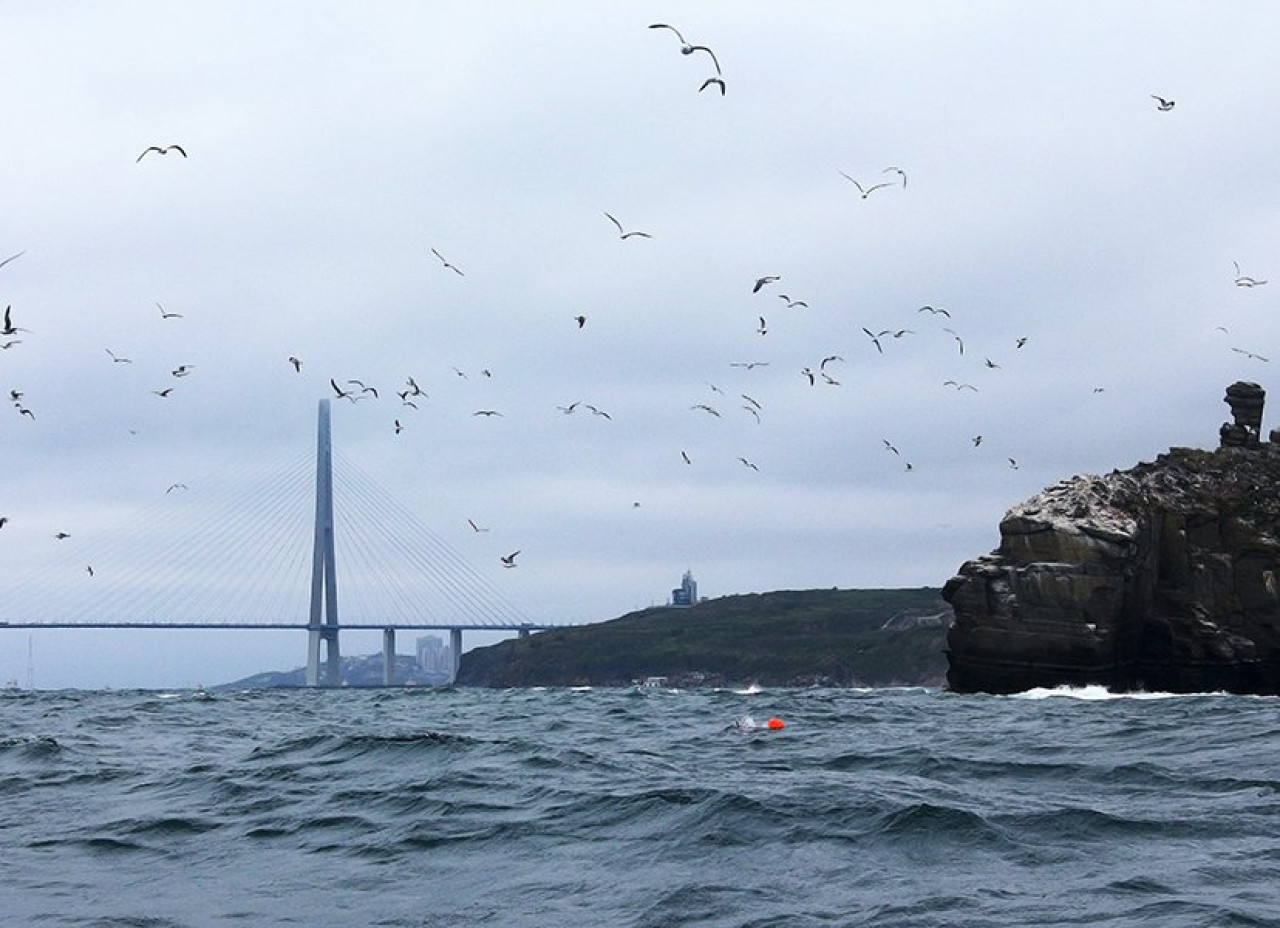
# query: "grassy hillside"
785,638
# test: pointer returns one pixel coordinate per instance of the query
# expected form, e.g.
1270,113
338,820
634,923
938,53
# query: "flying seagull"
297,365
175,486
1162,104
748,463
168,315
182,370
12,258
764,328
717,81
791,302
866,192
581,320
688,49
959,340
117,359
510,559
163,393
888,446
934,310
1243,280
876,337
476,527
452,267
763,282
486,412
749,364
623,234
707,409
9,327
1249,354
61,535
161,149
340,393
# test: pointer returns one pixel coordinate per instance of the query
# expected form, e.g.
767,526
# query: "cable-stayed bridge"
299,550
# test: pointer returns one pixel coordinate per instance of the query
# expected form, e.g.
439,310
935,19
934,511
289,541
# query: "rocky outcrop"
1162,577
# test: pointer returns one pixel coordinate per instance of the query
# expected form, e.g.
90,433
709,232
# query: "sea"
641,806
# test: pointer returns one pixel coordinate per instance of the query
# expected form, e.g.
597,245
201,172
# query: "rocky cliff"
1160,577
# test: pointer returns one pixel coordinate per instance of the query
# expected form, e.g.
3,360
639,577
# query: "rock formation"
1161,577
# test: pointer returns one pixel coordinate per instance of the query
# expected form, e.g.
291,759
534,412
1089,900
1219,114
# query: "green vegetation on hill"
784,638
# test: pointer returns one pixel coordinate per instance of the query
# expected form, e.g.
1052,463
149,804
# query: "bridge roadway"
291,626
388,633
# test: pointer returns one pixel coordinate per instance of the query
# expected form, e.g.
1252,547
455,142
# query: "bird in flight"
808,373
175,486
901,173
708,409
89,570
688,49
977,440
888,446
182,370
991,364
117,359
875,338
510,559
397,426
61,535
161,149
959,386
581,320
764,282
623,234
749,364
1162,104
598,412
297,365
363,388
342,394
168,315
934,310
452,267
959,340
1013,465
1249,354
1243,280
163,393
867,191
710,81
9,327
9,344
1020,342
4,520
748,464
486,412
12,258
763,328
476,527
791,302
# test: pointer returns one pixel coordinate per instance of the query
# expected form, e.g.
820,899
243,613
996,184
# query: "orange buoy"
776,724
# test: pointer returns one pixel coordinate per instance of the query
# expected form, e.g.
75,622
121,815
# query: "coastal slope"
784,638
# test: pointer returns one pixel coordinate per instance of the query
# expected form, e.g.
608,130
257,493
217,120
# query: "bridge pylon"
323,623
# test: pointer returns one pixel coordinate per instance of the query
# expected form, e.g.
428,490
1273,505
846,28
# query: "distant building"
434,656
686,594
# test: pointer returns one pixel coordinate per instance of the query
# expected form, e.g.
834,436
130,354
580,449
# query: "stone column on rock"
1246,401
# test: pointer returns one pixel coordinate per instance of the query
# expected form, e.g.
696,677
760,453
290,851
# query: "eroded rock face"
1162,577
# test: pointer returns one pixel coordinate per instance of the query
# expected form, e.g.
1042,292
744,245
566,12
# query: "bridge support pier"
455,651
388,656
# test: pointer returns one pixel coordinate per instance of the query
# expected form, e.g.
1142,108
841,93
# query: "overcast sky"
1041,194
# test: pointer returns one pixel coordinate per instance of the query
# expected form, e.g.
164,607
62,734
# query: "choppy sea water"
638,808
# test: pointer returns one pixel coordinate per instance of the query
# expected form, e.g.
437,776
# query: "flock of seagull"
821,372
